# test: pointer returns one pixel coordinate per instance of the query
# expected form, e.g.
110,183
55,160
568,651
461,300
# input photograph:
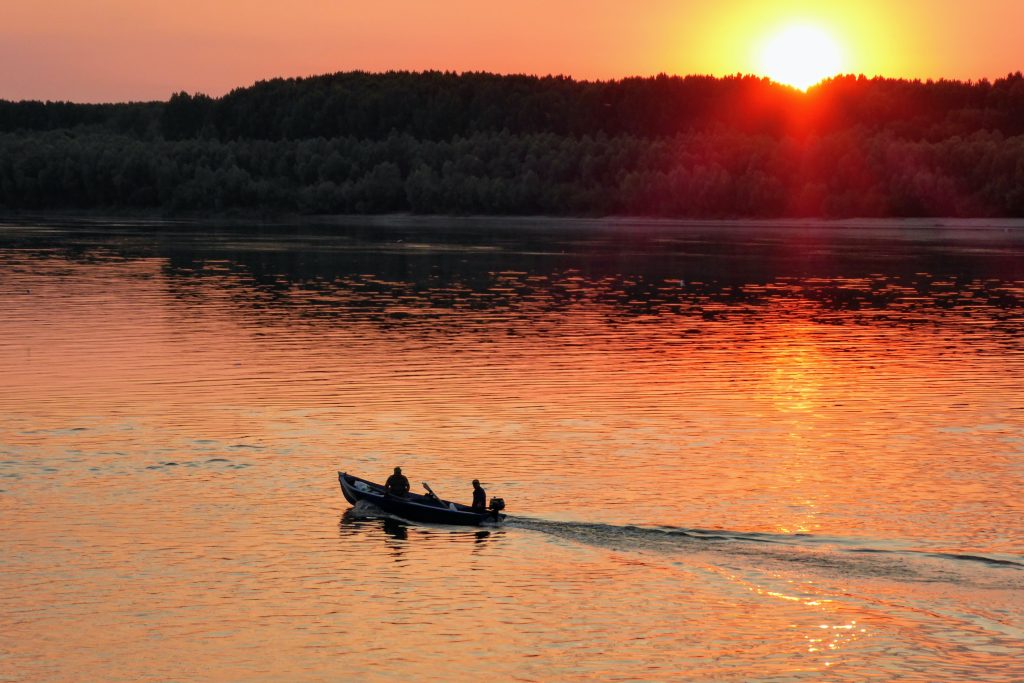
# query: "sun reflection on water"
789,471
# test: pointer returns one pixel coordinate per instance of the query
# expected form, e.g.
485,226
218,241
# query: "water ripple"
176,401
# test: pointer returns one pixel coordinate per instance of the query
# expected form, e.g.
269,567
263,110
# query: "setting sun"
800,55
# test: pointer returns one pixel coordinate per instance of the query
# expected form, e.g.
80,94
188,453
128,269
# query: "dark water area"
731,451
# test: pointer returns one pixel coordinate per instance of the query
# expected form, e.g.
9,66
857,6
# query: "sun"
800,55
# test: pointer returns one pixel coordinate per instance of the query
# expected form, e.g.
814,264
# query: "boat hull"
413,507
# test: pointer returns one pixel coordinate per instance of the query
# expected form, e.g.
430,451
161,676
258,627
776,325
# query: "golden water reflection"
749,476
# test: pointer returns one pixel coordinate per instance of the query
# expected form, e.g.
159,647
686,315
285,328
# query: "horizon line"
537,76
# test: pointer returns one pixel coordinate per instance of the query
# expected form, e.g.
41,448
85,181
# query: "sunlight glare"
800,55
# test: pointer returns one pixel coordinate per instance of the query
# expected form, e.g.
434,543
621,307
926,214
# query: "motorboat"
415,507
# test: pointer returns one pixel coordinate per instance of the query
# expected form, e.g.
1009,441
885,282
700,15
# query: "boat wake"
835,556
851,556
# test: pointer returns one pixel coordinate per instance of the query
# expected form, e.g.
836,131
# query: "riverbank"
1000,228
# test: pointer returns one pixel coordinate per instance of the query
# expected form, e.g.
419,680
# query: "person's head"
476,483
398,470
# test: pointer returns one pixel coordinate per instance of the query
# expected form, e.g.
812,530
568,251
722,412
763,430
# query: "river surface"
730,452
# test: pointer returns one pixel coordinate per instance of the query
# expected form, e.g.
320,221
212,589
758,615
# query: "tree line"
481,143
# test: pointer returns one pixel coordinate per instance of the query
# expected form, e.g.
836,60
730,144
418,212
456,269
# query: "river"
730,451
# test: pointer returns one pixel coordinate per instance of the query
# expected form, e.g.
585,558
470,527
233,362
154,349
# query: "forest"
477,143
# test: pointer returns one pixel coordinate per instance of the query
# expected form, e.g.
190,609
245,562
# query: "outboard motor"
496,506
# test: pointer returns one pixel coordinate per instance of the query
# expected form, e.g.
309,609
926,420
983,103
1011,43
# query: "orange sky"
101,50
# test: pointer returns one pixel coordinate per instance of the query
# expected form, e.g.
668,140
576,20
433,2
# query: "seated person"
397,484
479,496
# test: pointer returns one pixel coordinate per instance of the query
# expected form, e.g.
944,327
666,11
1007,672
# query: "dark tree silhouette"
437,142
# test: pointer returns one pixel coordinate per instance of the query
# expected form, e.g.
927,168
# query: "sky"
118,50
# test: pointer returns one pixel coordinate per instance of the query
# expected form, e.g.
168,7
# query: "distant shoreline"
468,144
87,219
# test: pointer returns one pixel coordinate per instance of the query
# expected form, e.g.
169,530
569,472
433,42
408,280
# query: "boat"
415,507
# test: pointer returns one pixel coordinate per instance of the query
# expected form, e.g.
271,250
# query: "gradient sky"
112,50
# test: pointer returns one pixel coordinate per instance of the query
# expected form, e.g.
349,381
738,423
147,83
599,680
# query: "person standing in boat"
397,484
479,496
